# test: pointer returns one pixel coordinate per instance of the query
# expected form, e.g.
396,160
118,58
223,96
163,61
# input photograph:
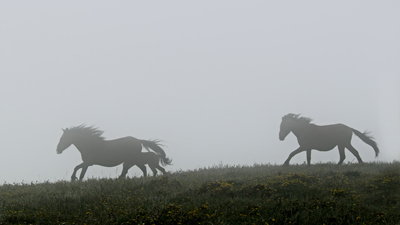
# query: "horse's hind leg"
355,152
341,154
161,169
143,168
153,168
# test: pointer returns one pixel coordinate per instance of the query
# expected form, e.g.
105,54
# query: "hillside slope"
260,194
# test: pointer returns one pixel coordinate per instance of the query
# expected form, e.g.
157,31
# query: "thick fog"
212,79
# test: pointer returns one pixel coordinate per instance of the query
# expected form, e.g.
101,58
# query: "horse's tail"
367,139
155,146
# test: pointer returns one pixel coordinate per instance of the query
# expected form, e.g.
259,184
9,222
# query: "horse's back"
129,144
326,137
115,152
333,128
125,140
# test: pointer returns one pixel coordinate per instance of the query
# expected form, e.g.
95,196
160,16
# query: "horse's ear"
62,129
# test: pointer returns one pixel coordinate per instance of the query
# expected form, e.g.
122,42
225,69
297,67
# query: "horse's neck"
299,128
85,145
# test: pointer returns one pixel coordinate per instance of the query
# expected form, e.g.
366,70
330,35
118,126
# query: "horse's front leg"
73,176
308,156
295,152
84,169
125,168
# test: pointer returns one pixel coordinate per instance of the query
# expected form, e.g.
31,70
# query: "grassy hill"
260,194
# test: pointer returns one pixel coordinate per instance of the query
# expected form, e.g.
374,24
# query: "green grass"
260,194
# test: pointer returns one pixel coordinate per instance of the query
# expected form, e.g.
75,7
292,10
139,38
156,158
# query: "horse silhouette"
149,158
97,151
322,138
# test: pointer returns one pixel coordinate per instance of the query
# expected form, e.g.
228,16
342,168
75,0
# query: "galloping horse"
322,138
97,151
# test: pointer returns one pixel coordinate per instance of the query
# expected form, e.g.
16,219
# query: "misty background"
212,79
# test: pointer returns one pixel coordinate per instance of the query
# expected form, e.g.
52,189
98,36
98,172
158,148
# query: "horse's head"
285,128
65,141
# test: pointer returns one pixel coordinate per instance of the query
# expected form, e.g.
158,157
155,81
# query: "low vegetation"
260,194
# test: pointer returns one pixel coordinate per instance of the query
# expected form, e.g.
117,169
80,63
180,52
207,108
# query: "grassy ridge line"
260,194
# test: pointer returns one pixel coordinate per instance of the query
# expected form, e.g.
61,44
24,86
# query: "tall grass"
259,194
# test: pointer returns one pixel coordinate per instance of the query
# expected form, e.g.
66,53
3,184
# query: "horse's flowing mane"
297,117
90,131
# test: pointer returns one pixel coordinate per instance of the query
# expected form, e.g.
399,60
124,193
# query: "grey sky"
210,78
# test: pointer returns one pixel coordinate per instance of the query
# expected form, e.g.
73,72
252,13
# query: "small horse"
149,158
97,151
322,138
